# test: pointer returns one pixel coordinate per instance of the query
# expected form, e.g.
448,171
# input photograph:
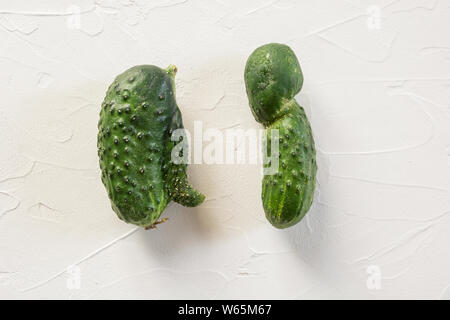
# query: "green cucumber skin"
134,146
179,188
273,77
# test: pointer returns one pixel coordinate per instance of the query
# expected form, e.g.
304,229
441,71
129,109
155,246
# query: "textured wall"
377,91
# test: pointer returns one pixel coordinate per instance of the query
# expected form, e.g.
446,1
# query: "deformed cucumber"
137,119
273,77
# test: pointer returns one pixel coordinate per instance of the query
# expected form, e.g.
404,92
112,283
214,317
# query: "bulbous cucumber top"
272,77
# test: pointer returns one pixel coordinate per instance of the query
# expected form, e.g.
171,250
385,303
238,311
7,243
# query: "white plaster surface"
376,90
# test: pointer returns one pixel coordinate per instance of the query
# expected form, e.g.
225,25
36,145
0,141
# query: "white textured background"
377,91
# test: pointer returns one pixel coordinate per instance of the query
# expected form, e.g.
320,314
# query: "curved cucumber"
137,118
273,77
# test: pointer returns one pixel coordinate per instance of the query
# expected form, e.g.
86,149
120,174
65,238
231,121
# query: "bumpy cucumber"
137,118
273,77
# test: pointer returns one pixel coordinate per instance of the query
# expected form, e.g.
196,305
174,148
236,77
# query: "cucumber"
137,118
272,78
